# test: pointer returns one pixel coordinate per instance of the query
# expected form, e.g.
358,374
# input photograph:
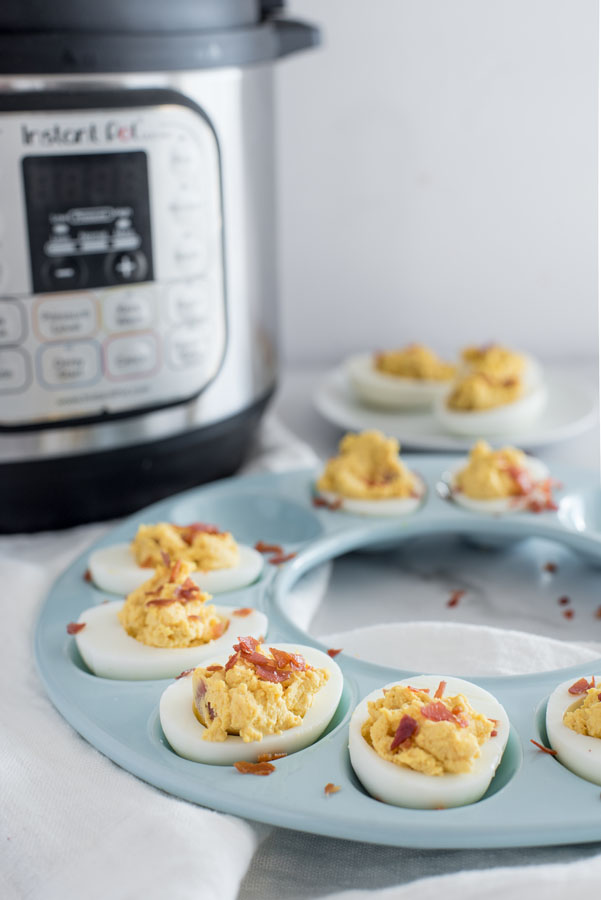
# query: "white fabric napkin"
75,825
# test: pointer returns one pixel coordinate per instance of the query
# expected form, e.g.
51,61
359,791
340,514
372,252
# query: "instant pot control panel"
112,289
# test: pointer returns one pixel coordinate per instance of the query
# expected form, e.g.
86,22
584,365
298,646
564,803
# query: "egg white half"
500,420
115,570
385,391
184,732
404,787
110,652
393,506
577,752
535,467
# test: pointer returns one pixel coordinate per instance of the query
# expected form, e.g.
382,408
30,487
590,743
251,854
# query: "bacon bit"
581,686
568,613
522,478
242,612
268,757
494,733
246,644
292,660
322,503
148,563
544,749
263,547
184,674
276,676
440,690
189,532
494,721
455,598
175,570
210,711
418,690
332,652
165,602
232,661
166,559
87,575
331,789
75,627
563,601
406,728
282,558
193,618
259,768
550,567
438,712
214,668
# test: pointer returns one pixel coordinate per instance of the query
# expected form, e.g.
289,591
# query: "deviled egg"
399,379
498,391
369,478
163,627
221,564
574,726
501,481
259,700
499,363
428,742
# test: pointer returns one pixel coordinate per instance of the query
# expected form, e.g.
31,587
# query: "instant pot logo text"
57,135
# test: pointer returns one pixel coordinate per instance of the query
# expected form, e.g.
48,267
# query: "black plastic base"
69,490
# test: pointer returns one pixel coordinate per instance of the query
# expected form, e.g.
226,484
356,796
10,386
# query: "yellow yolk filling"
169,610
414,361
488,473
205,549
435,747
480,391
368,467
586,717
236,701
494,360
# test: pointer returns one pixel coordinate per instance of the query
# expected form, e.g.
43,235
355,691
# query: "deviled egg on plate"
369,478
163,627
574,726
399,379
221,564
498,392
428,742
501,481
258,700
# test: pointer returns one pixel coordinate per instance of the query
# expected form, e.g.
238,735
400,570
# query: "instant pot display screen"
88,219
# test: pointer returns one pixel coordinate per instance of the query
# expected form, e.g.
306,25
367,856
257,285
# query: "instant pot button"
191,254
188,301
187,347
67,317
126,267
12,322
69,365
64,273
14,371
131,357
130,309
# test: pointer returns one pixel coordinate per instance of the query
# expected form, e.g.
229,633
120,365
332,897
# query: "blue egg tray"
533,800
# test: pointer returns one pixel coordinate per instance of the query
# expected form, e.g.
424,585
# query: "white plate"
571,409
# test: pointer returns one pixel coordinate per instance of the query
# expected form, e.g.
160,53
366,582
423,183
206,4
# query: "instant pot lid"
84,36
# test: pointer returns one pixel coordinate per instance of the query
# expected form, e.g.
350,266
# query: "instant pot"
137,248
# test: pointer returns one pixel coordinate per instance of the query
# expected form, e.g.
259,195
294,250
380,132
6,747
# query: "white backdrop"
437,170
